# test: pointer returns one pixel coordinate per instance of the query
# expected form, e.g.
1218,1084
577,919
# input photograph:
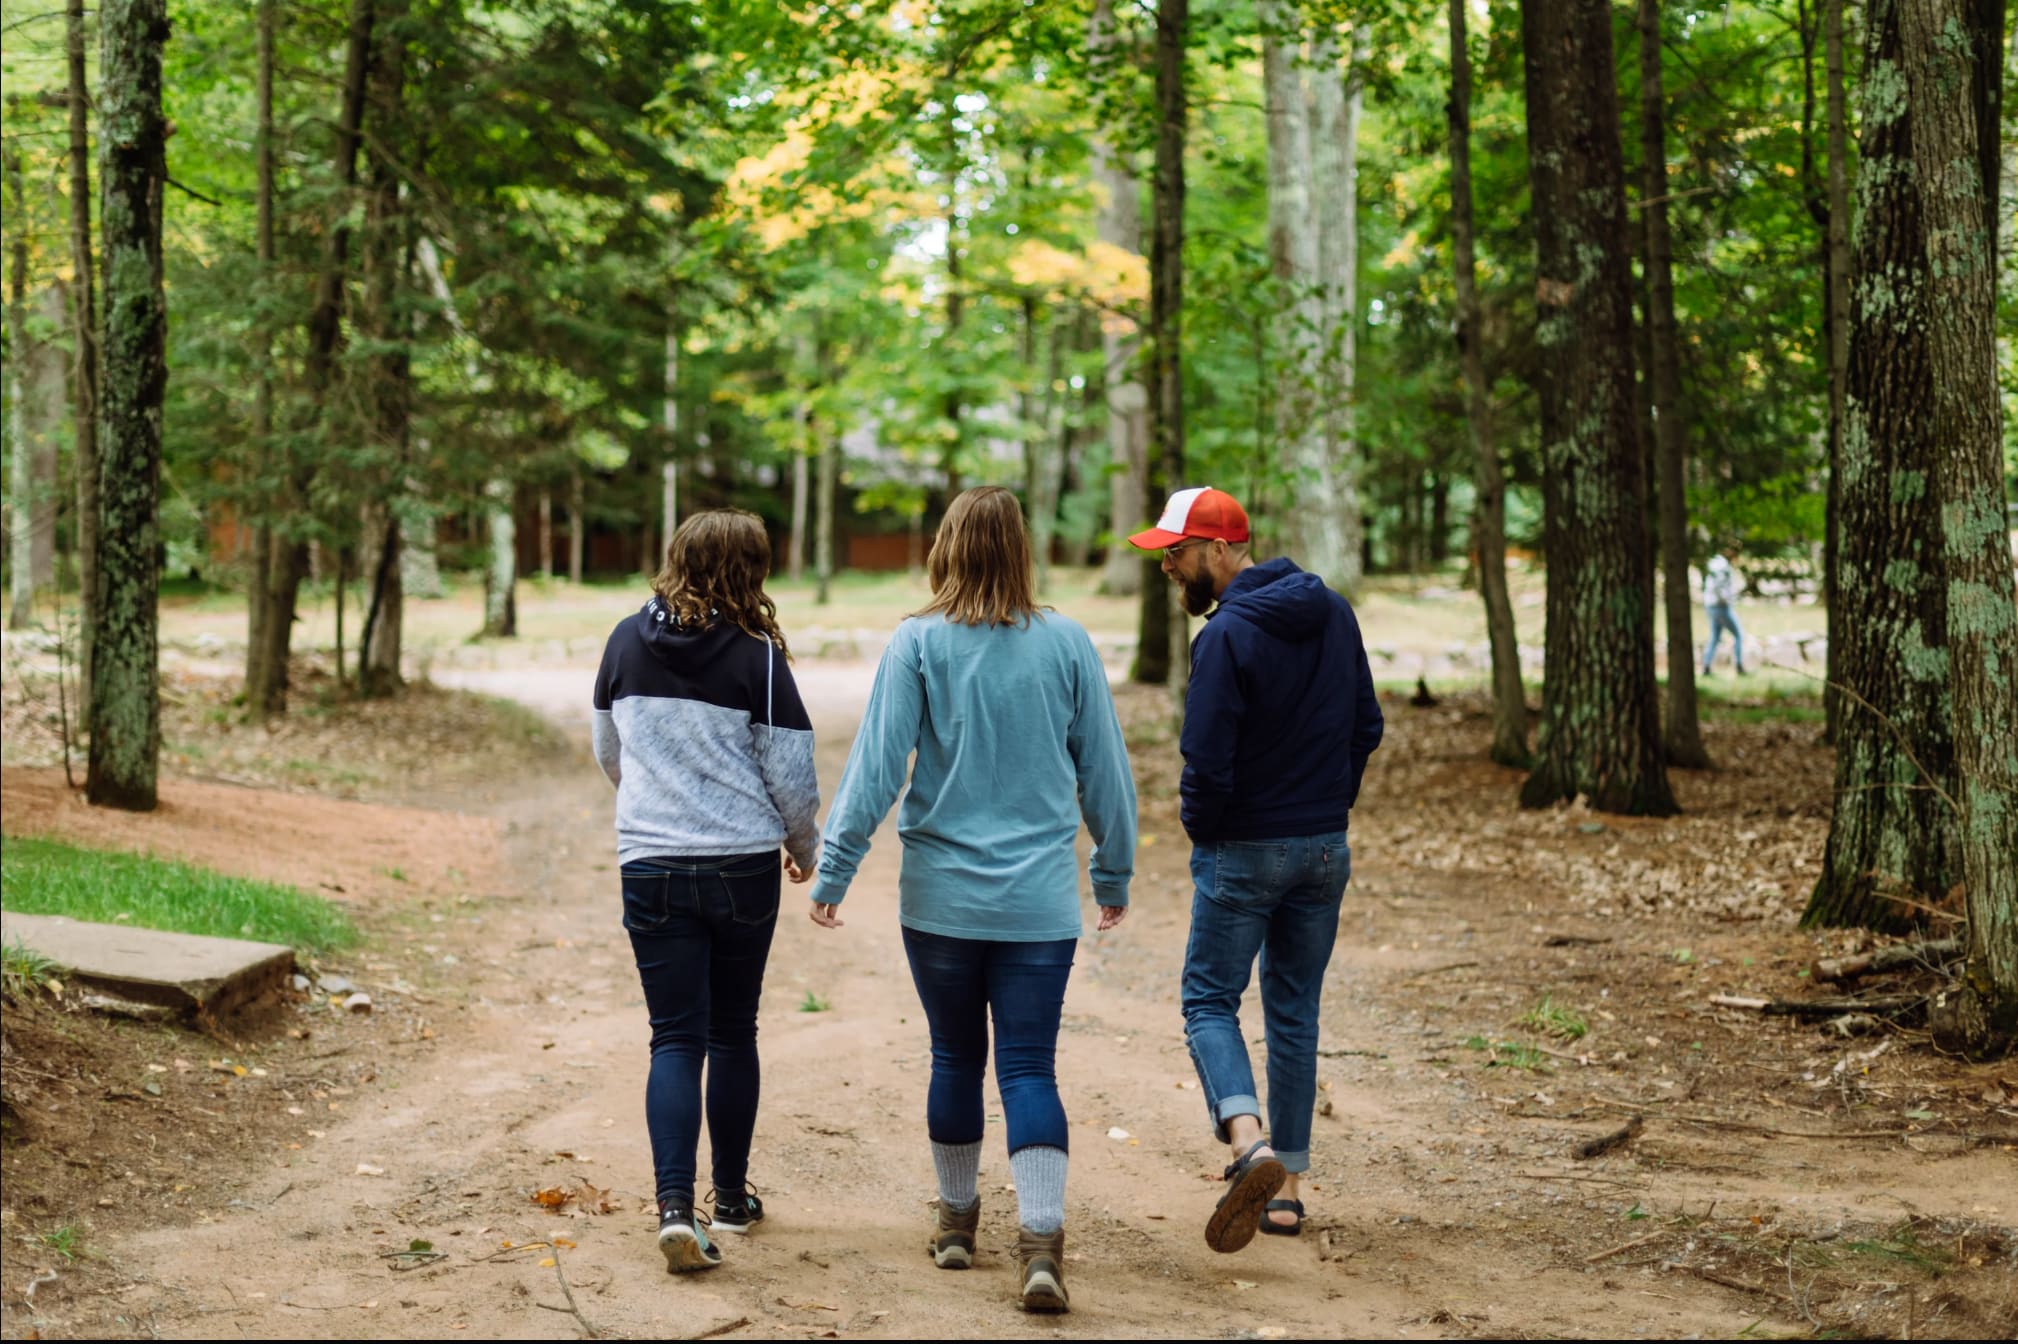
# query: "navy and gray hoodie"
704,735
1281,714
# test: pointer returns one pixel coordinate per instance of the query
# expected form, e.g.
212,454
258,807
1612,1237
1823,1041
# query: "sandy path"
540,1049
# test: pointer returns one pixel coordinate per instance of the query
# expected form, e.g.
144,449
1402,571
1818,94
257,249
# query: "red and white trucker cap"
1212,515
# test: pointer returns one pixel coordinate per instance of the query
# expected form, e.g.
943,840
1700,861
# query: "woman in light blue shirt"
1007,707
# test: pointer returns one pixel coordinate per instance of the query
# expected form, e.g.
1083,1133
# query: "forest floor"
470,1157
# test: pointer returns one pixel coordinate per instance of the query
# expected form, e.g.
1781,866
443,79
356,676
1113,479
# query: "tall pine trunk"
1509,696
1119,225
1892,832
577,526
1600,734
1160,630
258,601
1837,292
1334,160
125,669
84,383
1684,734
1945,49
387,266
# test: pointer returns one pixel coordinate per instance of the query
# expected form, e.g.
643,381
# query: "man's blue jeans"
1723,617
701,930
962,982
1278,899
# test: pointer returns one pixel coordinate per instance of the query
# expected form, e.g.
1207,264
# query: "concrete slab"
184,972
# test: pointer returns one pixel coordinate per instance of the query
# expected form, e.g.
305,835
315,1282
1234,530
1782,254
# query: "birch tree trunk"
1684,735
125,670
1600,736
1946,49
1838,324
1119,224
84,383
1892,831
1336,98
500,579
1509,696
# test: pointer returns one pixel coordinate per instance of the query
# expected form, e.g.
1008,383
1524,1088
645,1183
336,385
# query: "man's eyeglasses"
1172,552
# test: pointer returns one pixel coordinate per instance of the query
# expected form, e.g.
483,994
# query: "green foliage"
48,878
1553,1019
22,968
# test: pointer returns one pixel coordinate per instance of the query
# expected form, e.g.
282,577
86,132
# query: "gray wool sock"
959,1168
1040,1187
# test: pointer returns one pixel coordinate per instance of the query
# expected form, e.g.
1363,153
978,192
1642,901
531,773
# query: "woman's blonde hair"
980,561
715,569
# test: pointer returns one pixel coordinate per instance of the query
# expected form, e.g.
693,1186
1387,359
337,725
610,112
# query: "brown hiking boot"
952,1244
1042,1260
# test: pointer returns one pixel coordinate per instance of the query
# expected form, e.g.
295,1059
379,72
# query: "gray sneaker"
952,1244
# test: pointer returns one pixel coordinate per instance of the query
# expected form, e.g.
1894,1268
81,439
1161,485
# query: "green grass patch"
1552,1019
43,877
1510,1055
813,1003
22,968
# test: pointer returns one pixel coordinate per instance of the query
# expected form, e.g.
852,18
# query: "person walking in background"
1720,595
1007,706
1279,719
699,725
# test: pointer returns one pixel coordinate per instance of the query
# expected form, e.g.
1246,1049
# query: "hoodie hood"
1719,565
669,641
1280,598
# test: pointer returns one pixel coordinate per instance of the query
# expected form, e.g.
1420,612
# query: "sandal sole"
1238,1218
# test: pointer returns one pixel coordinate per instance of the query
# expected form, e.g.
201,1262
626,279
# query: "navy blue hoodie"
1281,713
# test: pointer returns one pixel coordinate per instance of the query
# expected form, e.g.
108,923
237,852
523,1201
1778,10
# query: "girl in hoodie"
699,725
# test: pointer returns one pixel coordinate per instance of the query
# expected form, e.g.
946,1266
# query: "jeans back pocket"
751,891
648,899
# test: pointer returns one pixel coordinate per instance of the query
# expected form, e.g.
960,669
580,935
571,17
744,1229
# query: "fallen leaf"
548,1263
564,1243
553,1197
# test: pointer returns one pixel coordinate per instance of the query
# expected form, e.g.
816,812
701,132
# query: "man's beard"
1197,594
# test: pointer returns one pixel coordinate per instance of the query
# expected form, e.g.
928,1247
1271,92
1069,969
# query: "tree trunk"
266,672
1509,696
258,598
500,578
577,526
1119,225
125,671
1892,831
1298,314
1159,639
546,533
1334,157
669,471
378,672
1684,739
795,544
21,506
1838,325
1945,47
823,519
1600,735
387,269
419,571
84,384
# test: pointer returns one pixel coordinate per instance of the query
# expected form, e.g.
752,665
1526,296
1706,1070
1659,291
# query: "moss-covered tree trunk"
125,680
1683,734
1600,733
1942,51
1509,696
1892,832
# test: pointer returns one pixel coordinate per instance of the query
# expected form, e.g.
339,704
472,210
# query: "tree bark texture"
577,526
266,669
1509,696
823,518
1942,51
125,670
386,263
1119,224
1600,733
1684,734
258,594
1336,99
500,578
1159,640
669,470
84,384
1892,831
1837,254
20,472
795,544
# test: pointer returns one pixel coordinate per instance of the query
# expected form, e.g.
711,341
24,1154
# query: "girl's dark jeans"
701,930
962,983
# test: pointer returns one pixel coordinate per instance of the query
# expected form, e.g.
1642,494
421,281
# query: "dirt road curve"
533,1078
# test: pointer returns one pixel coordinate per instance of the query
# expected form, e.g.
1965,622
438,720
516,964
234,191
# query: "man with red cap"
1279,719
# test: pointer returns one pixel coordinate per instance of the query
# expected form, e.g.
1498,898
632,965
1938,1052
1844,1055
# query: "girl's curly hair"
715,569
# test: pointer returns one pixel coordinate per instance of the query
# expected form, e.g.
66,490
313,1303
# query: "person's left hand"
1111,916
825,915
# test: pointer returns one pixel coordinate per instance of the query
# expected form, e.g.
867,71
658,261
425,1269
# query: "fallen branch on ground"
1836,970
1604,1143
1888,1005
588,1327
1624,1246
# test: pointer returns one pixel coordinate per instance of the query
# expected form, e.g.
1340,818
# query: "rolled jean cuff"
1294,1163
1229,1107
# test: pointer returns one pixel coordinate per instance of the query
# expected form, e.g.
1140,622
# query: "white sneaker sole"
684,1252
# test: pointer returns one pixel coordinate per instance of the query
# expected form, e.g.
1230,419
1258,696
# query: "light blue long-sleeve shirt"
1016,739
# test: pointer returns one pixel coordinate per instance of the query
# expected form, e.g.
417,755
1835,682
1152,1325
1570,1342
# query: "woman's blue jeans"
962,982
701,930
1278,899
1722,618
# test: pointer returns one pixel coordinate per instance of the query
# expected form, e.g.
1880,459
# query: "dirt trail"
1430,1215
